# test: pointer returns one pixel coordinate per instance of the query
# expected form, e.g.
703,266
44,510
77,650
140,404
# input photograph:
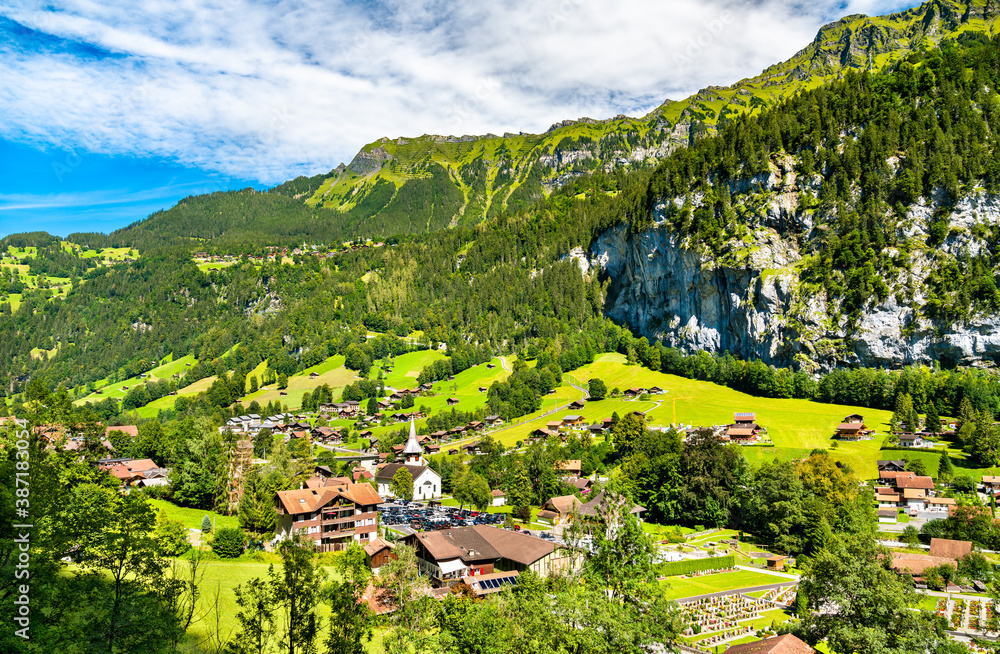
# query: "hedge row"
687,566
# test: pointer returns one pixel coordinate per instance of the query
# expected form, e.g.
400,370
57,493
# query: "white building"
426,482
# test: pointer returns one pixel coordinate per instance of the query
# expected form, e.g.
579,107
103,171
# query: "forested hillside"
427,183
856,178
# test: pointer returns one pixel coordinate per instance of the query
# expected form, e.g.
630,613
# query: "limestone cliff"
753,304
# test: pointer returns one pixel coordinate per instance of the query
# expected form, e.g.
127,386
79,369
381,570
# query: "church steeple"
413,451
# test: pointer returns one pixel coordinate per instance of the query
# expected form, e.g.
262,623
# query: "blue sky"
116,109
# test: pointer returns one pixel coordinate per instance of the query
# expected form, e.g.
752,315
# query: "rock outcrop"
754,305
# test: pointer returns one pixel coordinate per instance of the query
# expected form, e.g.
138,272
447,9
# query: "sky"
113,109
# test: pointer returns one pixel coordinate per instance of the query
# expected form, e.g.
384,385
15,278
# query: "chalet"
913,440
915,498
924,483
655,390
577,405
499,498
785,644
887,500
427,387
543,432
744,429
554,425
448,555
313,375
572,467
138,473
379,552
582,484
633,392
745,419
493,421
452,401
991,483
895,465
940,505
129,430
596,508
942,551
559,509
597,428
889,477
483,389
431,448
332,518
853,428
474,448
574,420
475,425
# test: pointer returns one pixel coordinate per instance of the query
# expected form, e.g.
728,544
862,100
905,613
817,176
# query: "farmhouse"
332,518
596,508
852,428
744,429
577,405
573,420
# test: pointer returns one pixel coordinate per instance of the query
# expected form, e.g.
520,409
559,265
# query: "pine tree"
966,414
206,524
945,468
256,510
902,416
932,421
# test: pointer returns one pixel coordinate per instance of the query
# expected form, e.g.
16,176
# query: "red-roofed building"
332,517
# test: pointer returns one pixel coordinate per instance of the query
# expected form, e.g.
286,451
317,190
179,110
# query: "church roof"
412,446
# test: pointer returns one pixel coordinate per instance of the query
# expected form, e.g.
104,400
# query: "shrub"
172,536
228,542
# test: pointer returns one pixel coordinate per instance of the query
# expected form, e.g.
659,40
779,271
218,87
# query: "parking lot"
409,517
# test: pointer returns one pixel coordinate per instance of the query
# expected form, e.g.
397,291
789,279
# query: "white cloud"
271,90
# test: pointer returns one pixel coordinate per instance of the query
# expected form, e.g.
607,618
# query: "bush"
228,542
172,536
672,568
522,513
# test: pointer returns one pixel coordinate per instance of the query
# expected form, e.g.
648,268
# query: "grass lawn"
331,371
679,587
221,577
406,368
192,517
795,426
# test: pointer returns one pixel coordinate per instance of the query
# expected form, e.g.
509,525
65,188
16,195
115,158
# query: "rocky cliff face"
754,305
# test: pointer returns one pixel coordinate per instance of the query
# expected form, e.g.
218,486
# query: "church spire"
413,451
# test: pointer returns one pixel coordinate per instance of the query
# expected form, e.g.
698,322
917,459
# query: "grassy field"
331,371
406,368
192,517
795,426
679,587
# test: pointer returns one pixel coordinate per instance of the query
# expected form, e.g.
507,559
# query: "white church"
426,482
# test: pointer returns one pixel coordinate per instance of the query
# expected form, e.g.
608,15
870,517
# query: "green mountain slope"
493,173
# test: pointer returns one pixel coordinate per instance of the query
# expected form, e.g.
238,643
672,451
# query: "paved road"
739,591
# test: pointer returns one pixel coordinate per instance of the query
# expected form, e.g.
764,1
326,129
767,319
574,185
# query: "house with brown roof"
571,467
576,405
499,498
128,430
925,483
942,551
138,473
785,644
574,420
378,552
853,428
447,555
596,508
559,509
332,517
